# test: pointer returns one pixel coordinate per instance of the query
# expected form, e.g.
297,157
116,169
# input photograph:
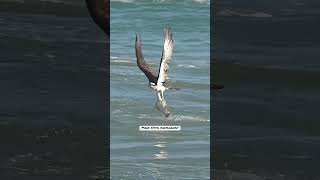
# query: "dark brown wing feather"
144,67
99,11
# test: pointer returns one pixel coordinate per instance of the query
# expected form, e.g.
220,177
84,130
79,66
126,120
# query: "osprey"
159,82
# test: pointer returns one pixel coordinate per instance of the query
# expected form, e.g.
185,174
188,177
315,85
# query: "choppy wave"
191,118
243,13
186,65
122,61
202,1
266,73
123,1
162,1
175,118
52,1
119,61
189,106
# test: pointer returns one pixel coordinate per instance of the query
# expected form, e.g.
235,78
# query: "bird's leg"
159,96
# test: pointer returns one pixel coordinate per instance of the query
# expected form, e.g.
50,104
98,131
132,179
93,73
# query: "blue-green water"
53,71
266,119
161,155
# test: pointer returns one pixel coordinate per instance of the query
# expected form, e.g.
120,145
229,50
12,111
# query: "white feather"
166,58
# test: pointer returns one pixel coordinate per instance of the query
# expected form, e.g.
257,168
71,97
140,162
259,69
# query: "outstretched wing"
166,57
144,67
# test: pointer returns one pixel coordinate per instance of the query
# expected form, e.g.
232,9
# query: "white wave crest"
122,61
162,1
202,1
123,1
186,65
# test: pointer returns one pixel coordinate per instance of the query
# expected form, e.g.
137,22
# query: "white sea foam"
202,1
123,1
163,1
122,61
191,118
186,65
174,117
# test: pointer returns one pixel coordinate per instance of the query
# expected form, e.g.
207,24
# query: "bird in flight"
159,82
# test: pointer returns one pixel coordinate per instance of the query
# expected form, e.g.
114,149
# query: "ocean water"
160,155
266,119
53,71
